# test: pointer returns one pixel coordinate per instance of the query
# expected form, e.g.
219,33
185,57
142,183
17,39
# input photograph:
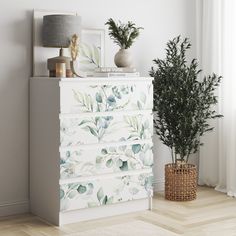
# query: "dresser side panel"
44,149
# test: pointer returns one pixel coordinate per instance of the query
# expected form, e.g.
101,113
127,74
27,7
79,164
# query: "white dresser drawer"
102,97
105,191
99,159
102,128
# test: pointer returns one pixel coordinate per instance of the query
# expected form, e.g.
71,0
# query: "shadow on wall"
162,156
14,96
22,39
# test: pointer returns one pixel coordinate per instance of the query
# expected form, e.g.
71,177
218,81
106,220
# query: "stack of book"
115,72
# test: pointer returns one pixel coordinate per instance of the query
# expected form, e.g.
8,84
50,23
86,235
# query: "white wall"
161,19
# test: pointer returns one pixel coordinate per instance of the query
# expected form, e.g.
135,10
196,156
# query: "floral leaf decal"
62,194
81,189
104,202
100,194
124,166
136,148
109,163
111,100
72,194
84,100
98,97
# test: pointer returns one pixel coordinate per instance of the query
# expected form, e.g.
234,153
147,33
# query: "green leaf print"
92,131
136,148
116,92
149,182
110,200
133,190
81,189
62,194
109,163
98,98
72,194
139,105
104,202
104,151
124,166
99,159
90,189
119,163
100,194
111,101
84,100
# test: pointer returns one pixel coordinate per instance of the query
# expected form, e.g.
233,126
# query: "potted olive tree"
124,36
183,106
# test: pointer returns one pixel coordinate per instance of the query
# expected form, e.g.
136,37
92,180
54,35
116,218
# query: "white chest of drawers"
90,147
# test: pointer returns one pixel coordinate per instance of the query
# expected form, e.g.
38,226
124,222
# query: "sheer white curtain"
216,31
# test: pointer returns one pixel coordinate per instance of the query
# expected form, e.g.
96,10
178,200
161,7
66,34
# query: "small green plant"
183,104
123,34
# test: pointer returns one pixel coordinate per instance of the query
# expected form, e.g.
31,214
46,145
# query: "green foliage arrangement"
123,34
183,104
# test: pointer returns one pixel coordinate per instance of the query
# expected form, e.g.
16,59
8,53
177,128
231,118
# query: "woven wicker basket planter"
180,182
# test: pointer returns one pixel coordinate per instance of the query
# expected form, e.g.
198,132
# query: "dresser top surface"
93,79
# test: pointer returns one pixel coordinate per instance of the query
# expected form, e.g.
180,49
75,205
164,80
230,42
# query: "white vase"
123,58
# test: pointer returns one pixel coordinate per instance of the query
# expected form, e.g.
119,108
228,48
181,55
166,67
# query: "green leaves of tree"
182,103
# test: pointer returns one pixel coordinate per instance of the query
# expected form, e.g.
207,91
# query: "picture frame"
91,50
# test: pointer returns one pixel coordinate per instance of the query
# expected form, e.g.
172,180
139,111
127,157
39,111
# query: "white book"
115,69
116,74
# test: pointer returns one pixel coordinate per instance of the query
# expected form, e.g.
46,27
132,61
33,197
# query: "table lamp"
57,32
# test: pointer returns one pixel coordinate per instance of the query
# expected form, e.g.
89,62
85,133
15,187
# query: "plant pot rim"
180,166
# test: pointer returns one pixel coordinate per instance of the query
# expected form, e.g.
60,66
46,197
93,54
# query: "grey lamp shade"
58,30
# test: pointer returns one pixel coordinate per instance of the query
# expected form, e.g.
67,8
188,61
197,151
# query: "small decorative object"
61,69
74,50
183,106
57,32
123,35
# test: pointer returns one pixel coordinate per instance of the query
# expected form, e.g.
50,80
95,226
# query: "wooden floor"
213,213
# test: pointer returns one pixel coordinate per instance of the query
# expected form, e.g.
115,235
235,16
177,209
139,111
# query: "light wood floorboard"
212,214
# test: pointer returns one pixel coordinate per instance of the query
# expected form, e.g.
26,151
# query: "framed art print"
91,50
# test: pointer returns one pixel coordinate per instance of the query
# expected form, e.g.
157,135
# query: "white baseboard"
13,208
159,185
